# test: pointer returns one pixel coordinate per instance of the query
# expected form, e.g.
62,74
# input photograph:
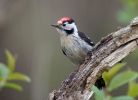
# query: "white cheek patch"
68,27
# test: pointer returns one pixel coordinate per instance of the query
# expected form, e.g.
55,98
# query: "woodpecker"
75,44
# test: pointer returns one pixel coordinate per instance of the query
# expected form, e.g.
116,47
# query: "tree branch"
110,50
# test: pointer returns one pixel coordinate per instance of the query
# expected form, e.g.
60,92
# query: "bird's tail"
100,83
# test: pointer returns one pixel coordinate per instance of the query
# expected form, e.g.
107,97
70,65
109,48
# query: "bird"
75,44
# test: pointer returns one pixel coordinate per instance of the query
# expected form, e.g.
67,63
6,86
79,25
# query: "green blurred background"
25,30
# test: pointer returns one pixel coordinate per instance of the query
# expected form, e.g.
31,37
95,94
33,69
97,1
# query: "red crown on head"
65,19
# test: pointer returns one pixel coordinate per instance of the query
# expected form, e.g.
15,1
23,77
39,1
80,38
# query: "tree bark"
106,53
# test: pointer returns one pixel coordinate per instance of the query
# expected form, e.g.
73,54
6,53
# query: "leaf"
19,76
4,71
123,98
99,94
14,86
10,60
108,75
133,89
122,78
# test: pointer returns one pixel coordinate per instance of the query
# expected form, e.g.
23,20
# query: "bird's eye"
63,24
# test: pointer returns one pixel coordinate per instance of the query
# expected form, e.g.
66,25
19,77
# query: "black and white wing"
85,38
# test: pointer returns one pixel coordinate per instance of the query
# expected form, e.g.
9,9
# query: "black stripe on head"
71,21
69,31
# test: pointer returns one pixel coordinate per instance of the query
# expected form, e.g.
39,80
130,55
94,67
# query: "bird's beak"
55,25
58,25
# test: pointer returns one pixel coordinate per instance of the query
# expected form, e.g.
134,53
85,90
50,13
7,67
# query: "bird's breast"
75,49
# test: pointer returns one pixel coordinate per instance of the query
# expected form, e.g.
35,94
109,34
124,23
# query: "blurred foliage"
129,11
7,73
114,80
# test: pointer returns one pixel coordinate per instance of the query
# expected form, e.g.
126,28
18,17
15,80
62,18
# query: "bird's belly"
75,49
78,57
75,54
